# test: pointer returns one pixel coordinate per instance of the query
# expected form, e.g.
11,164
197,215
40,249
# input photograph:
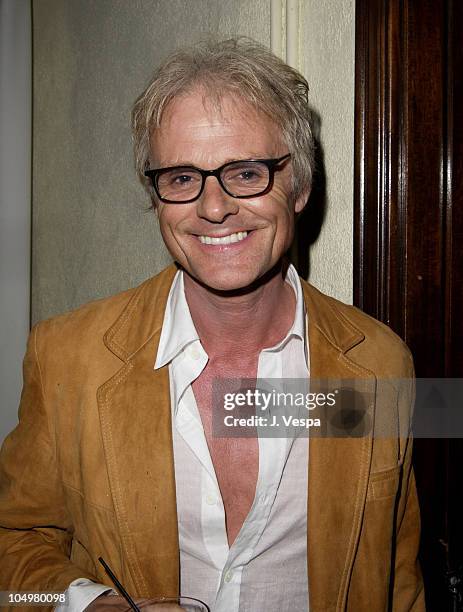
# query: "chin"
224,282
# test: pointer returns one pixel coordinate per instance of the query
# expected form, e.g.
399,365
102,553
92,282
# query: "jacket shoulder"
96,316
381,350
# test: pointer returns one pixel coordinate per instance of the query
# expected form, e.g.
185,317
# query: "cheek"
280,195
167,225
283,221
167,220
283,213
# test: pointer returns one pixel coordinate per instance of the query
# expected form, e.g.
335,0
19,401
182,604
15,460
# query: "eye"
248,175
245,174
178,178
181,179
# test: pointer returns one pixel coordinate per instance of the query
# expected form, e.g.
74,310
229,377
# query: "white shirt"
265,569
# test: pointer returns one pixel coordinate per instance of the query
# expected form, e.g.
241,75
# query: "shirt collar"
178,330
298,328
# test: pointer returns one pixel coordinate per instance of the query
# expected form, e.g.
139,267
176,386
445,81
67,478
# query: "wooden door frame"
408,227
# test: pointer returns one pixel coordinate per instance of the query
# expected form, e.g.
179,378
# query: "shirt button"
211,499
228,576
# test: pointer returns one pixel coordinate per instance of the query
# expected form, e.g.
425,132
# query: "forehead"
196,128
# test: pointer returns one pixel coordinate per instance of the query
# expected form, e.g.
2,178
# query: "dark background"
409,231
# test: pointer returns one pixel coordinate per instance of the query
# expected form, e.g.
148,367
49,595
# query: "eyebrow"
228,160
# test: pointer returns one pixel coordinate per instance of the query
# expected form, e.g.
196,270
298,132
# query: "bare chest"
235,459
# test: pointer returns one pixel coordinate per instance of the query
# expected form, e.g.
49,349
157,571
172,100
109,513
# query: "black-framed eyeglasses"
244,178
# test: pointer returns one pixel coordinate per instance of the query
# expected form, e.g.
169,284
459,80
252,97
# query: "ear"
302,200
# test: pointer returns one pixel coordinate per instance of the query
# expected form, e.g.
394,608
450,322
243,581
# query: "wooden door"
409,229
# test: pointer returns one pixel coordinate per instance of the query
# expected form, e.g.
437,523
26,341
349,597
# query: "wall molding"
285,25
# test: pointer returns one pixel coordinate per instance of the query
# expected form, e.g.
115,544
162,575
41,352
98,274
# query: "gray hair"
239,67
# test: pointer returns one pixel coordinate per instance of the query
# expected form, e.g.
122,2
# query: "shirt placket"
272,456
189,426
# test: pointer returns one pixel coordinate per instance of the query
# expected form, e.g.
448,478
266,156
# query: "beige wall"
15,200
327,60
91,234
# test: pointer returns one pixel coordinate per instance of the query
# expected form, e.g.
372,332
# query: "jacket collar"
143,316
334,327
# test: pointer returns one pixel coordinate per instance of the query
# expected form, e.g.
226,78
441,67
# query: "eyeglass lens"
238,178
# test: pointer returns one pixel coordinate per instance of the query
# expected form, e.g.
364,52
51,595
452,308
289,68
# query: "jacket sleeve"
35,529
407,581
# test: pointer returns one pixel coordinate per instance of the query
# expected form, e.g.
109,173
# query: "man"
115,455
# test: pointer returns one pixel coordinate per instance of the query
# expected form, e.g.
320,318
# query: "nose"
214,204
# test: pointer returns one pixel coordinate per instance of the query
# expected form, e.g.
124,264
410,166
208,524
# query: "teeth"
225,240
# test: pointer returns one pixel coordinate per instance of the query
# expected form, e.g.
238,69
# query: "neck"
246,320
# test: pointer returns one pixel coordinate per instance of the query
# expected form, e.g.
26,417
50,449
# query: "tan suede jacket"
89,471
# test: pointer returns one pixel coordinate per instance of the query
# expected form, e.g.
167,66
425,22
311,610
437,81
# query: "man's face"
194,134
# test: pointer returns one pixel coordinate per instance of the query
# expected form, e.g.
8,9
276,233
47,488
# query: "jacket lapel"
135,418
338,466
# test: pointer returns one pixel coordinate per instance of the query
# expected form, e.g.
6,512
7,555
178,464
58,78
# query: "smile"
224,239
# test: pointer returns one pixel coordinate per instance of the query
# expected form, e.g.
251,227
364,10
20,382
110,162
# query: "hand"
114,603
